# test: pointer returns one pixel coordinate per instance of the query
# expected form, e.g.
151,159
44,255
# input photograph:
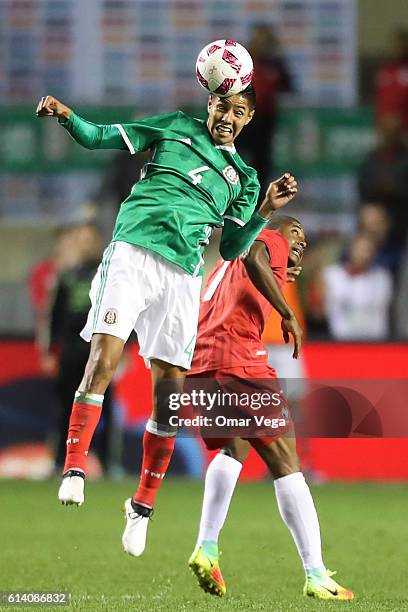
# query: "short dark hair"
250,94
280,221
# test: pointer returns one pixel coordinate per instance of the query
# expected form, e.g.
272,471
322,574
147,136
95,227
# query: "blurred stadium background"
333,104
332,82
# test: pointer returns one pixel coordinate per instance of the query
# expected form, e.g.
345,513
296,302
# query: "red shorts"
251,382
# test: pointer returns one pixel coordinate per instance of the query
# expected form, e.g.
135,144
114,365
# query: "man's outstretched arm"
89,135
235,239
258,267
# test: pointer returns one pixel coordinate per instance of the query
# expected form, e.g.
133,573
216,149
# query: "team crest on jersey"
111,316
231,175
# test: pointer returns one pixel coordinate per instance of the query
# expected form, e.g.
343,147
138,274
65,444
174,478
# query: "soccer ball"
224,67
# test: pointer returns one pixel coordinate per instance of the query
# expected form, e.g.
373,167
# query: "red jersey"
392,91
233,312
42,280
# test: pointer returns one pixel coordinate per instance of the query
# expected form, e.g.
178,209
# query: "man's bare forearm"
261,275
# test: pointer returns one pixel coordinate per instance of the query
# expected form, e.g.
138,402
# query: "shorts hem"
212,444
241,364
87,336
170,360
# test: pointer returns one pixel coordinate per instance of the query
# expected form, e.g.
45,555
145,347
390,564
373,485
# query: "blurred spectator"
357,294
383,176
401,310
68,316
374,221
321,251
43,277
270,78
391,84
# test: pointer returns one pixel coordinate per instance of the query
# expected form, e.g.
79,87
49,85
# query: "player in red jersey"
238,298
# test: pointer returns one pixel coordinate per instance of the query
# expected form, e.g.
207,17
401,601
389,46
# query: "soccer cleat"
324,587
205,567
137,520
71,490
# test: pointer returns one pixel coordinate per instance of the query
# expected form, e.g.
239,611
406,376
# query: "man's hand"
49,364
292,327
49,106
279,193
293,273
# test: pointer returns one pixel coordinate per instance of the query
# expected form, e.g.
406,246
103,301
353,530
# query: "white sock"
220,480
297,509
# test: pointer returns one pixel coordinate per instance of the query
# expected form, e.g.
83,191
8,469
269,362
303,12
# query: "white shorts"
135,288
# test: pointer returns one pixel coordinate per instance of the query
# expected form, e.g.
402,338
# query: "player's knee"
286,462
237,449
231,452
280,457
99,371
285,466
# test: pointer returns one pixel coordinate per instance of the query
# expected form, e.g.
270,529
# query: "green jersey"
189,186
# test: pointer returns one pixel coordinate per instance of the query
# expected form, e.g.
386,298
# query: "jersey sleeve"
240,210
141,135
92,135
136,136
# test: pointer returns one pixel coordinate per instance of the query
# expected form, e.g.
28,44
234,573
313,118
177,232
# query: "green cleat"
321,585
204,564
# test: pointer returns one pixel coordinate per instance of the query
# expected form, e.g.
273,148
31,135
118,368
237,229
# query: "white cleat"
71,490
134,536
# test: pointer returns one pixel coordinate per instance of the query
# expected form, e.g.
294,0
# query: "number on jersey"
195,175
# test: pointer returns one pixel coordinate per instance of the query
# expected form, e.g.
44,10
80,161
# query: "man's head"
361,253
65,254
293,231
390,132
263,42
89,242
374,220
228,116
401,44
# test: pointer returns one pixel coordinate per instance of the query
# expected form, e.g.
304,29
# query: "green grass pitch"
45,546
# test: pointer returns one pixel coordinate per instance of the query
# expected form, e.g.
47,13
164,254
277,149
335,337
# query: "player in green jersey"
150,276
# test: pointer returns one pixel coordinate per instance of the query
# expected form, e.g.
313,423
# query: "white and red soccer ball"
224,67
